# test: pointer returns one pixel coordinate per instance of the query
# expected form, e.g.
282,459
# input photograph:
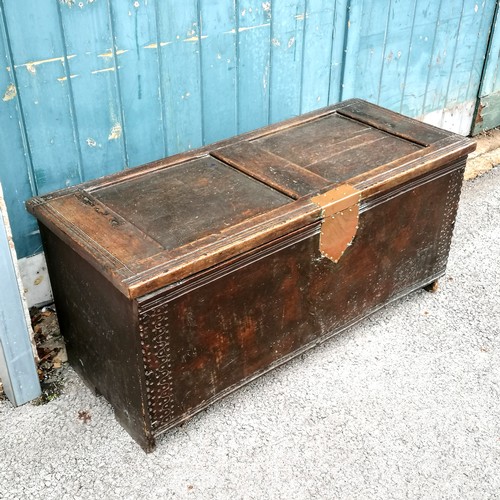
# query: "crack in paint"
195,38
104,70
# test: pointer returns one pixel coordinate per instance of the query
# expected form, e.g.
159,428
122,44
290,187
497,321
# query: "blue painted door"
89,87
488,107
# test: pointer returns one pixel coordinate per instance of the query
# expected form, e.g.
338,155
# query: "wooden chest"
180,281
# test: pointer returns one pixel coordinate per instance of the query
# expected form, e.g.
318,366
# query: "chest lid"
153,225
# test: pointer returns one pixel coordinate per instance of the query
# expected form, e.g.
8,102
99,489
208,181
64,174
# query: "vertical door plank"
135,32
180,34
39,63
93,79
365,49
341,22
254,39
15,160
419,60
318,40
287,38
442,57
488,109
396,52
469,63
491,79
218,67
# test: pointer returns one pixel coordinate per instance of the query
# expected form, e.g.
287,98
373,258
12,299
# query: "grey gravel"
404,405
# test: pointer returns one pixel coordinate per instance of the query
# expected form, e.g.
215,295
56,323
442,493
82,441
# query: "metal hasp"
340,220
17,365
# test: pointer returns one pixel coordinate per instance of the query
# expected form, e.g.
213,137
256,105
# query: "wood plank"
469,63
491,77
41,72
316,61
368,136
16,173
190,201
179,34
485,73
115,235
396,53
18,371
305,143
287,46
442,62
338,66
253,34
371,152
219,70
135,35
365,49
420,57
93,79
283,175
393,123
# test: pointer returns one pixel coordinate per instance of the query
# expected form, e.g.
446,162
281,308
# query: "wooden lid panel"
393,123
99,229
189,201
373,150
306,143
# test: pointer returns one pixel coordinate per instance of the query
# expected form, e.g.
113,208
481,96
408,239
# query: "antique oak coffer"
177,282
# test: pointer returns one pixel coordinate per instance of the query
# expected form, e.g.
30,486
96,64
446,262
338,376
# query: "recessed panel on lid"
186,202
337,148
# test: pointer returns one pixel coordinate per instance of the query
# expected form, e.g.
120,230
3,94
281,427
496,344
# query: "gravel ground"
404,405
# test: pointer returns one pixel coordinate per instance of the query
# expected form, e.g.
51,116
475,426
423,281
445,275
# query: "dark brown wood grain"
113,232
100,326
393,123
365,157
192,200
310,142
274,170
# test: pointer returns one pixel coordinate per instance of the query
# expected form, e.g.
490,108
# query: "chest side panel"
100,330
